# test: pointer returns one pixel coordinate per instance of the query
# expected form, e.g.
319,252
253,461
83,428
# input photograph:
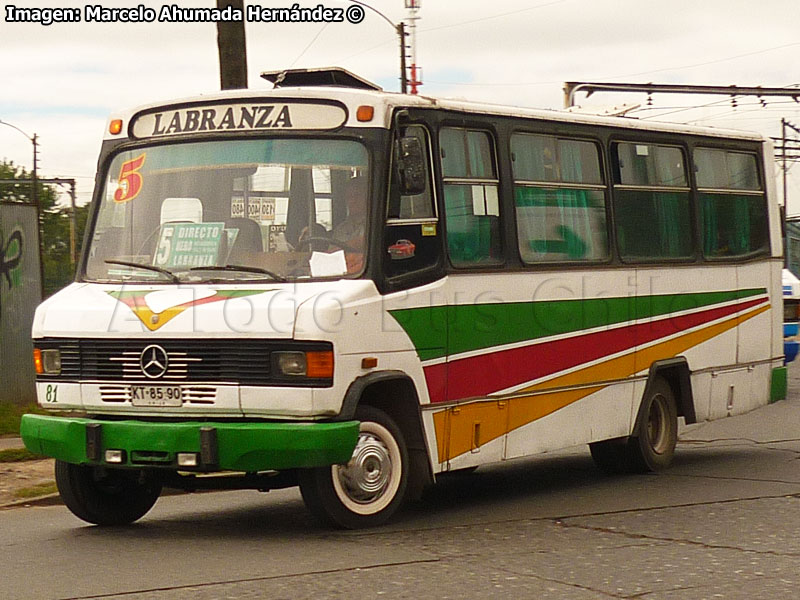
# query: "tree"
232,49
58,271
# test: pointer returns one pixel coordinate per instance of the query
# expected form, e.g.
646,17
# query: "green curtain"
559,224
469,236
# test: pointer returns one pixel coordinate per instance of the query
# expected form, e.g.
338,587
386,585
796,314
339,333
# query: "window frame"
603,187
761,192
389,221
490,129
403,281
689,189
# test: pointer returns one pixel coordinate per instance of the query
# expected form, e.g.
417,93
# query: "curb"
47,500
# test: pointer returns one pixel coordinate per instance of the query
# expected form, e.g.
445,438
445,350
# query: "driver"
350,233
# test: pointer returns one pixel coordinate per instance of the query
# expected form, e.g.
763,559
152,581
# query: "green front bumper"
221,446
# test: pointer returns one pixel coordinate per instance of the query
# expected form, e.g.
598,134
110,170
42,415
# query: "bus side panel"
598,416
419,316
512,338
701,393
698,318
756,333
722,323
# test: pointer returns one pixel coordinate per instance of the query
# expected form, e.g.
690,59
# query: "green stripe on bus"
470,327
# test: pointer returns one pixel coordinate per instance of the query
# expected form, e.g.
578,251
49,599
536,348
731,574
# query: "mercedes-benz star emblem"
154,361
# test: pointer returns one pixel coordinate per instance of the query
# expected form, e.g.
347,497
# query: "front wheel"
106,496
370,488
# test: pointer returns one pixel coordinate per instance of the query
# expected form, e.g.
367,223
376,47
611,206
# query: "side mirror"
411,166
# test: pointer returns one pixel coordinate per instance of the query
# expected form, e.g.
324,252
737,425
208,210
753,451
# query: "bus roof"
384,104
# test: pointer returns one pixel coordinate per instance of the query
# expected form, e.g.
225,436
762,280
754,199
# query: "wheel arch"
394,393
675,371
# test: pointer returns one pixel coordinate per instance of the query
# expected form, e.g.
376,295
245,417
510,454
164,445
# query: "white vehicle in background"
791,314
355,291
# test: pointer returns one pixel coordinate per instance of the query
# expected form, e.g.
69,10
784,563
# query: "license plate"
156,395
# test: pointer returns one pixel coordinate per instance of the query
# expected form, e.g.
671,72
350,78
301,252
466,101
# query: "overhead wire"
311,43
619,76
498,16
469,22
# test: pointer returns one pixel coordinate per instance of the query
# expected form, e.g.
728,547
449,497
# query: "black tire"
611,456
371,487
106,496
653,448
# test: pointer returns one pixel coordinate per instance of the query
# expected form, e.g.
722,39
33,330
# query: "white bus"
355,291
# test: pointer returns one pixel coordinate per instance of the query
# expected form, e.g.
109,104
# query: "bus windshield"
280,209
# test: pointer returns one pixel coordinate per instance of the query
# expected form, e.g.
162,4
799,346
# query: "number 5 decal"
130,180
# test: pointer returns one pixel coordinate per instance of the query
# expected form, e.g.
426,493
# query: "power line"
299,56
482,19
662,70
703,64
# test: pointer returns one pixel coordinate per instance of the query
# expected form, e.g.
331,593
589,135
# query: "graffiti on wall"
10,259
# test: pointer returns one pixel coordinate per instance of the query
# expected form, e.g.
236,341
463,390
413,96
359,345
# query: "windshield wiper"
243,269
174,278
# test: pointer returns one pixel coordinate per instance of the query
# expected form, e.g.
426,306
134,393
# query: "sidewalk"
11,443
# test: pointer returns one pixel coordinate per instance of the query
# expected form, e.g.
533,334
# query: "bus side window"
471,199
559,198
412,237
732,203
651,203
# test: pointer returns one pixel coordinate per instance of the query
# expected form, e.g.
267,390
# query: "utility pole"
232,48
401,31
786,154
785,167
34,188
413,17
400,28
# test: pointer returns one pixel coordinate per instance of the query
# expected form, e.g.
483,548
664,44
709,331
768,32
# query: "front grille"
238,361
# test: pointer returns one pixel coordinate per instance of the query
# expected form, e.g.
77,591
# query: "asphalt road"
724,522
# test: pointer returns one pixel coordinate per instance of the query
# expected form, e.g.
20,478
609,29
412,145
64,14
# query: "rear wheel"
654,447
106,496
370,488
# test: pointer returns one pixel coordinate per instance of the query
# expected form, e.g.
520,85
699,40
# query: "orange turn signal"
115,126
365,113
37,361
319,365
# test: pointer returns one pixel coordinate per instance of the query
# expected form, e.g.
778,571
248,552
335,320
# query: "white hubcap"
369,481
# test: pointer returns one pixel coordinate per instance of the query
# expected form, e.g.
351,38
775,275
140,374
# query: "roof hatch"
328,76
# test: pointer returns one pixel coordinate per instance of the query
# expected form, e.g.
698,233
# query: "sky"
60,81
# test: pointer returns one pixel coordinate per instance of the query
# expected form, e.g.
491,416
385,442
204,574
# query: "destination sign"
244,116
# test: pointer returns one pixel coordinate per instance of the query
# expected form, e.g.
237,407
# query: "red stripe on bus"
479,376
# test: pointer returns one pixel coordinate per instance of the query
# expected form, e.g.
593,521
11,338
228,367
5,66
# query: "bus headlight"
292,364
47,362
313,365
